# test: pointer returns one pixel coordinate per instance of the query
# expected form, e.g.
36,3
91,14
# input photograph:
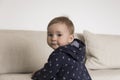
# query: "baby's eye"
50,35
59,35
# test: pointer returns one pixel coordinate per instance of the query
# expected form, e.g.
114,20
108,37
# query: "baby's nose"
54,37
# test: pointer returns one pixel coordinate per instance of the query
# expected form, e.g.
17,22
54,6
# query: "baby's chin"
54,47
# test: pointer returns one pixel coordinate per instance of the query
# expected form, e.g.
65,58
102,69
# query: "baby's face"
58,35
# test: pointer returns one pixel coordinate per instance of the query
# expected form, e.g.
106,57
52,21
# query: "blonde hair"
63,20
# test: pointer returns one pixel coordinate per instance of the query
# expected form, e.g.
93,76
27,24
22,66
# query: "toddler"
66,62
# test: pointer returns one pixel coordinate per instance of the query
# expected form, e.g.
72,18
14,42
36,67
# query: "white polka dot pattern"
65,63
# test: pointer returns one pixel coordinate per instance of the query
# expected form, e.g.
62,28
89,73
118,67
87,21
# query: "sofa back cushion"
23,51
103,50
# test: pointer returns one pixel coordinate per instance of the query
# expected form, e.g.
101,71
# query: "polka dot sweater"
65,63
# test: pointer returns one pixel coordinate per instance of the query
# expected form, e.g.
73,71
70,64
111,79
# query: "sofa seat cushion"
15,76
105,74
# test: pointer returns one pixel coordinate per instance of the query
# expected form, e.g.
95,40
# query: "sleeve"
50,68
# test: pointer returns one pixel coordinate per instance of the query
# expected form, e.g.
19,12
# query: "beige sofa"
22,52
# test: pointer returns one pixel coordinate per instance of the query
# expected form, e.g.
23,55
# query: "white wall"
99,16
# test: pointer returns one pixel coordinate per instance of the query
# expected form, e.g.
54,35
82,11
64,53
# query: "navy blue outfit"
65,63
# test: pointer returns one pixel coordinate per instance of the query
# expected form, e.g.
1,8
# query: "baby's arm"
50,68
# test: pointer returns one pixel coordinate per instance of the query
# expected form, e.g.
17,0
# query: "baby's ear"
71,38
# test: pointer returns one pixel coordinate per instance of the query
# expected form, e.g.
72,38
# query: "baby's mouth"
53,44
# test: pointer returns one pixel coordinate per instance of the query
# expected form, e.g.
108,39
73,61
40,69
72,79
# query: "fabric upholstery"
15,76
22,51
105,74
103,50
